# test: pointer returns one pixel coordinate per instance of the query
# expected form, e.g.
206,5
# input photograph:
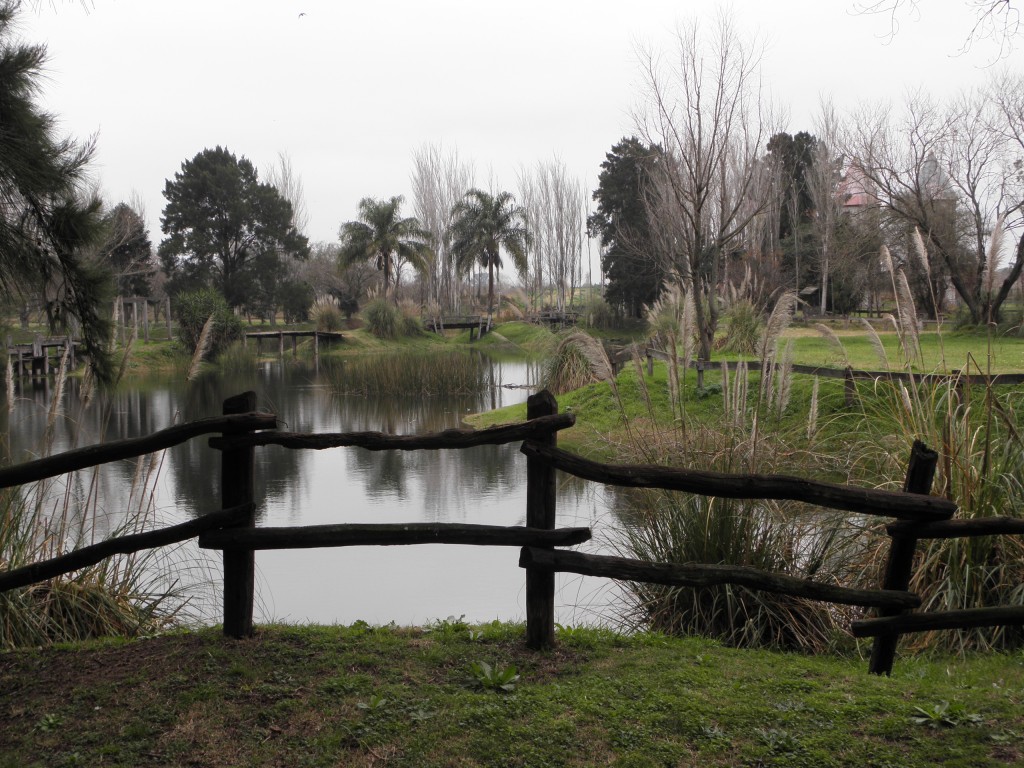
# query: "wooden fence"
232,529
847,374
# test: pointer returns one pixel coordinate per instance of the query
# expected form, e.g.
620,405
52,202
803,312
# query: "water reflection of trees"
452,485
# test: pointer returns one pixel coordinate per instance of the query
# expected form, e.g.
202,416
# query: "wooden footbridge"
317,336
477,325
40,357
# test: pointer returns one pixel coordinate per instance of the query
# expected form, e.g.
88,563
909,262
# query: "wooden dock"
34,358
317,336
555,320
477,325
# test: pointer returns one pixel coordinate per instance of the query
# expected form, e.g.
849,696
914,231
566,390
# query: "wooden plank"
955,529
115,450
896,504
700,576
825,372
388,535
379,441
121,545
970,618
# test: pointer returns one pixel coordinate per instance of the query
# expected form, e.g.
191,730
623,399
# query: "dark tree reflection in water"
410,585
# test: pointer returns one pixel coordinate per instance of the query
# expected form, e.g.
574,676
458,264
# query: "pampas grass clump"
578,360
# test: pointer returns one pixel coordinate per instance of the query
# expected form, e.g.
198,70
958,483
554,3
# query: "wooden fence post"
899,568
237,487
540,513
650,364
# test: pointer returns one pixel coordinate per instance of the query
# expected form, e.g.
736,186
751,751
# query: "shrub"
598,314
194,308
383,319
742,328
578,360
326,315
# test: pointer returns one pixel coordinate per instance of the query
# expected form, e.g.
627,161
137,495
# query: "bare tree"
950,170
997,21
440,179
822,181
555,205
706,110
288,183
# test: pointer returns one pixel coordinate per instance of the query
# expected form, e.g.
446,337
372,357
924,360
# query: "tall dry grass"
125,595
975,428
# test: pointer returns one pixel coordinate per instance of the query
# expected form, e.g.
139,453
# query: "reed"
126,595
777,537
453,372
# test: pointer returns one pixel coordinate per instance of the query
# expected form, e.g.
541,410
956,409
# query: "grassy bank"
315,696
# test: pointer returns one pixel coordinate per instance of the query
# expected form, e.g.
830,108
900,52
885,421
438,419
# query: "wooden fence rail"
240,430
902,506
115,450
847,374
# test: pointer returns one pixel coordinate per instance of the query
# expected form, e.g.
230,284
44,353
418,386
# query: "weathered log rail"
240,430
846,374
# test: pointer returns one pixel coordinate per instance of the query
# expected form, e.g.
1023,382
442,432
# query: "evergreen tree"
46,221
381,235
128,251
220,222
634,276
484,225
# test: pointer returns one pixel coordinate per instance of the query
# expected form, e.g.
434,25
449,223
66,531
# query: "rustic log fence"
232,529
848,375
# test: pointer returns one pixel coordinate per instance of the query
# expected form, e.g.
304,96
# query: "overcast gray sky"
350,89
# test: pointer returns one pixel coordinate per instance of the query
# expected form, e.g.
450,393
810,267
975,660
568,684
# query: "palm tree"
484,224
382,235
47,222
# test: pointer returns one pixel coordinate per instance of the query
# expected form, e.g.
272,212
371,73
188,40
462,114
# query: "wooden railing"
232,529
847,374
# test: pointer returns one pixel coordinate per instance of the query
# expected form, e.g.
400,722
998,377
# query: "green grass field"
362,696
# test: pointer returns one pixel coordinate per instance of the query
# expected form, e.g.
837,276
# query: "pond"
409,585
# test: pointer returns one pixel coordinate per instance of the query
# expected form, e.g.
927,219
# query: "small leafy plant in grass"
495,678
945,715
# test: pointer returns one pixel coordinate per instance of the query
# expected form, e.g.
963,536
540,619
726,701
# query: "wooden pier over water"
40,357
477,325
317,336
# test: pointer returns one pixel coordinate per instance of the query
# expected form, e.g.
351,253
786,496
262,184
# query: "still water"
407,584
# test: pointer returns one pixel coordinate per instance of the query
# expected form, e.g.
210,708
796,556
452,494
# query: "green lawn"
360,696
